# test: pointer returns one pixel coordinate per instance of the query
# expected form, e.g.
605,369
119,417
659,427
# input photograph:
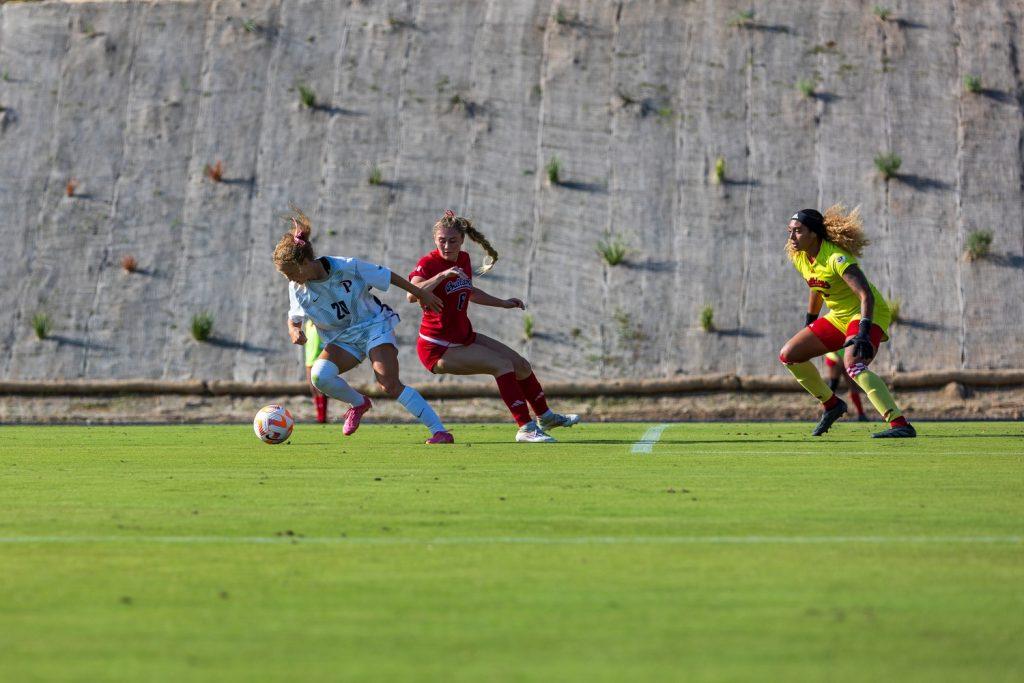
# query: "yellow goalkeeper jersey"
825,275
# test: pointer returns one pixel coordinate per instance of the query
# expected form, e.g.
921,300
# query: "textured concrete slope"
461,104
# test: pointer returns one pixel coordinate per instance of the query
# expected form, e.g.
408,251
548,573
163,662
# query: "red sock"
899,422
534,394
831,403
321,407
855,397
513,397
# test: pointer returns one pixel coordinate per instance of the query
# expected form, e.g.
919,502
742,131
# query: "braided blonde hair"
466,229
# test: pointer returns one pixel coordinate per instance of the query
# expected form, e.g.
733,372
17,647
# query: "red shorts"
430,353
833,339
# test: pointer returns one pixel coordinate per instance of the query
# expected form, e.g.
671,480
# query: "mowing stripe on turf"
650,437
520,540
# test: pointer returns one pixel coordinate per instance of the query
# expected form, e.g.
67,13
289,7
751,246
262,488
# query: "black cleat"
829,417
862,418
902,432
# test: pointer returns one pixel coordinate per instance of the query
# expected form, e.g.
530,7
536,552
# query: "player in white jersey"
334,293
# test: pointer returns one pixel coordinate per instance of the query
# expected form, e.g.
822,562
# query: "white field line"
650,437
517,540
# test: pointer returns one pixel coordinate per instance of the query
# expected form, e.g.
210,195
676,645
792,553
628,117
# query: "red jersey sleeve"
421,268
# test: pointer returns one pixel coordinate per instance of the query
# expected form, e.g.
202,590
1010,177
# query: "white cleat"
553,420
531,433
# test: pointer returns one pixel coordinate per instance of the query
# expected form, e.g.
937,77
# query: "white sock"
418,408
326,377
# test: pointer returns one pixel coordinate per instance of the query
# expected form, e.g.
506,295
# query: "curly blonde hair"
843,228
295,247
467,229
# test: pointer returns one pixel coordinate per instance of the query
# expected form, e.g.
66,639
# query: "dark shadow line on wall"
222,343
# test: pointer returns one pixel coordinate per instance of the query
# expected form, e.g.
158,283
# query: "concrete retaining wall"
461,104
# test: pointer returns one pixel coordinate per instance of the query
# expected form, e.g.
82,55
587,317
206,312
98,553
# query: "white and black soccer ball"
273,424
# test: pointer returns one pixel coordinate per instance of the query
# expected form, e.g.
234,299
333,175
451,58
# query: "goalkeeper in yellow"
824,249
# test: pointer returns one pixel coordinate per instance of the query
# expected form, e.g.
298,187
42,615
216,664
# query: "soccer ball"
273,424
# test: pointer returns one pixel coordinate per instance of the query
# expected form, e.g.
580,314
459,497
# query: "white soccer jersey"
341,305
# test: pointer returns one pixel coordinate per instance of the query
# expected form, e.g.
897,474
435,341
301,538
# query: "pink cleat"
354,415
441,437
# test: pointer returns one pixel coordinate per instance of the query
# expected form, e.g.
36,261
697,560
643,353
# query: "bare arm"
814,303
482,298
295,332
426,298
855,278
429,283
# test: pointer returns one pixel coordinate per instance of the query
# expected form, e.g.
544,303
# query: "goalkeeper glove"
861,344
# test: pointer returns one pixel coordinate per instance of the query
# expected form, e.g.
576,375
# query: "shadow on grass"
662,442
979,436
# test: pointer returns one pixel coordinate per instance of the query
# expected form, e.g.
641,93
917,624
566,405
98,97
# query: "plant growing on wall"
458,102
202,326
888,164
883,13
979,244
972,84
528,326
743,19
612,249
70,187
554,170
628,331
718,173
215,172
129,264
806,86
306,96
707,319
894,308
376,176
397,23
41,325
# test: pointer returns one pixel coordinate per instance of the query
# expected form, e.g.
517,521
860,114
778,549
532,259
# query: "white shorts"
377,334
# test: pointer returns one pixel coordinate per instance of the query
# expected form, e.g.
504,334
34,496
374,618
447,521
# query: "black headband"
813,221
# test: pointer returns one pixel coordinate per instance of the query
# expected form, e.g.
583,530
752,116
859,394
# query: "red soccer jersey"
452,323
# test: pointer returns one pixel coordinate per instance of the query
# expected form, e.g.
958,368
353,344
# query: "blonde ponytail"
467,229
295,246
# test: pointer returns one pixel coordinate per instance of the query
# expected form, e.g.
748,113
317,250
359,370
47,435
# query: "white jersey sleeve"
374,275
295,312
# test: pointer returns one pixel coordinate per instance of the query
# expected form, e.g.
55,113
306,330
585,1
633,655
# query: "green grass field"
729,552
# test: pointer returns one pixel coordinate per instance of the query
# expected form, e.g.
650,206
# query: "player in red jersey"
448,344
